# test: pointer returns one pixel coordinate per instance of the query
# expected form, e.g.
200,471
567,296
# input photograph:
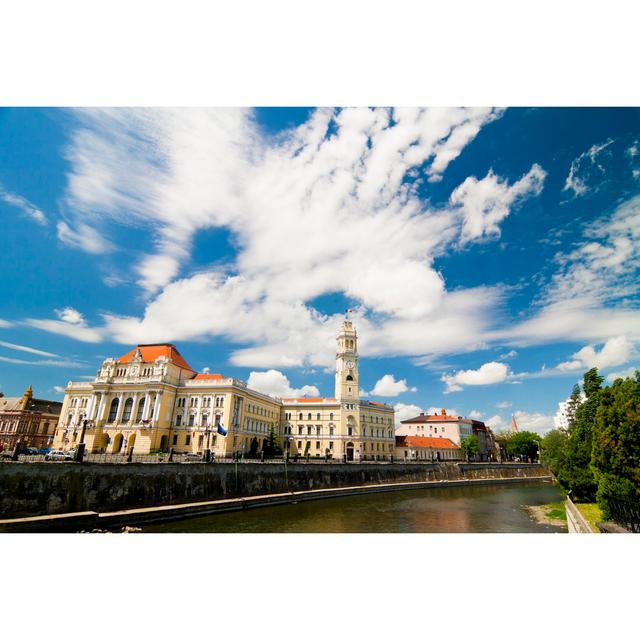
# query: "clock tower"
347,382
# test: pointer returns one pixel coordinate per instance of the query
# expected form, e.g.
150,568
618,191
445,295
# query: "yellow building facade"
151,400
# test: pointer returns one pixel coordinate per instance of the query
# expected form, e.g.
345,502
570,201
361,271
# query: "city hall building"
151,400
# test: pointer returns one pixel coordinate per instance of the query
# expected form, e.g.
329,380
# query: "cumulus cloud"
275,383
497,423
488,373
485,203
475,415
28,209
388,386
70,315
405,412
536,422
614,352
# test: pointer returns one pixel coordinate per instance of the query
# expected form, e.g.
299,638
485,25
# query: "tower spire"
514,424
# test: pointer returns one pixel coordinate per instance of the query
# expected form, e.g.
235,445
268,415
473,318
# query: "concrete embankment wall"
30,489
576,522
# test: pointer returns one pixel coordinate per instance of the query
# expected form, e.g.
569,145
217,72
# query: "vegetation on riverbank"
598,455
592,514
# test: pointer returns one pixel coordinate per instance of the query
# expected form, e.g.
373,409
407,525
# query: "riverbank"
28,490
113,521
552,514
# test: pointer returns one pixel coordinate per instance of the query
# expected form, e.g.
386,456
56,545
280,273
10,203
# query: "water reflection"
493,508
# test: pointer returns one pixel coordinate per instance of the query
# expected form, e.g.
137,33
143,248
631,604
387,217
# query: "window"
308,416
330,445
331,416
113,410
300,428
188,440
318,430
318,417
179,420
192,420
140,410
309,427
175,439
317,444
205,420
331,431
299,416
299,444
350,430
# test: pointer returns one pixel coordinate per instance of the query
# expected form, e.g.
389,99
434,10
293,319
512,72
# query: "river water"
479,509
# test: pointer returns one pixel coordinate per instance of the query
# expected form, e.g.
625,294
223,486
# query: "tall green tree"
575,400
616,442
576,473
470,447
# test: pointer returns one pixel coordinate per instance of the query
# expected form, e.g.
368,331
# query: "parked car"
59,455
44,451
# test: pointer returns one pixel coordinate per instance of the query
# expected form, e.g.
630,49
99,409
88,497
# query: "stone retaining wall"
41,489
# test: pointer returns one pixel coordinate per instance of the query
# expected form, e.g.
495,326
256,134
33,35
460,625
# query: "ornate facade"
150,400
31,421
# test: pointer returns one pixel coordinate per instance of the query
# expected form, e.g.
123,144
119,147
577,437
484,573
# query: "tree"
502,440
524,444
575,400
576,473
470,447
553,449
615,456
273,448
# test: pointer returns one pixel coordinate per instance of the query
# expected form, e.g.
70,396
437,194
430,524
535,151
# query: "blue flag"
221,430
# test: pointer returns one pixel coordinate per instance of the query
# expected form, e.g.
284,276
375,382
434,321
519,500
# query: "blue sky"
490,256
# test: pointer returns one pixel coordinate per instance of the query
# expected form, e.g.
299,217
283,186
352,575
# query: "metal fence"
626,513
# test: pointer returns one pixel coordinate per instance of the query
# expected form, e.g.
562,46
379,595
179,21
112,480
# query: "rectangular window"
175,439
300,428
331,445
299,444
317,444
188,440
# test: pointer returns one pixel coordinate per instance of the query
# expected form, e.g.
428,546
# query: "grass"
591,513
555,511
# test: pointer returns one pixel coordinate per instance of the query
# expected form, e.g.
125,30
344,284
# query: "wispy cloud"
19,347
28,209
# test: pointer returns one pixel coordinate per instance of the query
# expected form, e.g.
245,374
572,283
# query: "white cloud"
503,405
536,422
176,172
475,415
28,209
5,324
614,352
438,410
275,383
19,347
388,386
485,203
206,370
497,423
584,164
77,332
43,363
405,411
59,389
488,373
70,315
510,354
83,237
625,373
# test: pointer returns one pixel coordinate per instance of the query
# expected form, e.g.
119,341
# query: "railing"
626,513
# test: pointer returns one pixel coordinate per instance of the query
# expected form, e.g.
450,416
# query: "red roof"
425,442
150,352
208,376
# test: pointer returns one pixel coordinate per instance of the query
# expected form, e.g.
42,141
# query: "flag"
221,430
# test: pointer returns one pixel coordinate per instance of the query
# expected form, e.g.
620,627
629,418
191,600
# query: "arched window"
350,378
308,416
331,416
178,420
140,410
318,417
113,410
300,416
128,407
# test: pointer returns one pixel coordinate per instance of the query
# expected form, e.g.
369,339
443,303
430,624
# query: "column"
156,409
120,408
145,411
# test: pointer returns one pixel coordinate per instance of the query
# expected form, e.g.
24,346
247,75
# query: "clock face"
350,364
